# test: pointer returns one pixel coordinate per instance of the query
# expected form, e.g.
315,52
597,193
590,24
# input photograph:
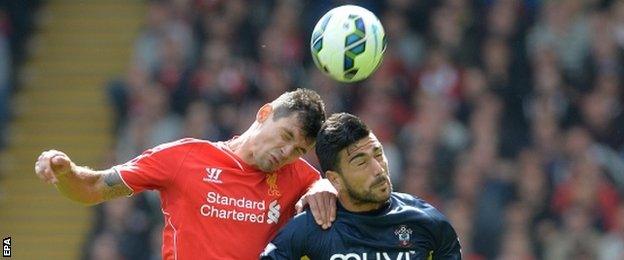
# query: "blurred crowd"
16,25
505,114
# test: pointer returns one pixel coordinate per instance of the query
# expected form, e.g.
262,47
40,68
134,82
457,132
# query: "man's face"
280,142
364,171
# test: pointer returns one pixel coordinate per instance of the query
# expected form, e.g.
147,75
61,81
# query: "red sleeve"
156,168
307,174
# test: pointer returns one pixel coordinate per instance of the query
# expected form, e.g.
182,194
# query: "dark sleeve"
290,242
448,247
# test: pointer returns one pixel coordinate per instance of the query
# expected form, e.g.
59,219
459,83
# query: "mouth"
380,183
274,159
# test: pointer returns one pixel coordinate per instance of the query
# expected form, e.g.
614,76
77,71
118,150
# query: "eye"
360,162
378,153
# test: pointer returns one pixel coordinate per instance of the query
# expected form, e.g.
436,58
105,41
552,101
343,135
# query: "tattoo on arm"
112,178
115,187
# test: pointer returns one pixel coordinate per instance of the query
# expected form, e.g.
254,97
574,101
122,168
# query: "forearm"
91,187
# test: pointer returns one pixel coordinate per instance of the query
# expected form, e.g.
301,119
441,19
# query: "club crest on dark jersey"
403,233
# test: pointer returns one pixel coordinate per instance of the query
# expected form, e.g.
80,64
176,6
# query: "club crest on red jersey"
271,181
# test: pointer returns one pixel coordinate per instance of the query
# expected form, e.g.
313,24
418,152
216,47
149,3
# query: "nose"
378,167
288,150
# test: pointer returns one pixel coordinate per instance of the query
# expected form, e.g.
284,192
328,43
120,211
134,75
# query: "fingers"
331,205
299,205
328,208
44,165
60,163
59,160
322,200
39,170
51,176
319,209
323,210
42,169
314,208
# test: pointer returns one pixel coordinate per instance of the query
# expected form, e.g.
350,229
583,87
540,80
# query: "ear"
335,179
264,112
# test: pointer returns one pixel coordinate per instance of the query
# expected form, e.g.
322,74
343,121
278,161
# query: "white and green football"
348,43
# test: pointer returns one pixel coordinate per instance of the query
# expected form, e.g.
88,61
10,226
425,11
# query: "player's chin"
383,186
383,192
266,166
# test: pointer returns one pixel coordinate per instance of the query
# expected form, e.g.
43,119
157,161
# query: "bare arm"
77,183
92,187
114,187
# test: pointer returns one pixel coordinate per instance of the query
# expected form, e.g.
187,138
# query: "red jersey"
216,206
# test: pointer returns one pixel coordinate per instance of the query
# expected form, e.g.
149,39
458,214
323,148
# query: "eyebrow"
288,132
358,155
290,135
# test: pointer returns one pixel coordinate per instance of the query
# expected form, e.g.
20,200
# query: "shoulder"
302,164
191,144
408,200
169,151
303,221
179,150
428,217
181,144
304,217
411,201
301,168
420,207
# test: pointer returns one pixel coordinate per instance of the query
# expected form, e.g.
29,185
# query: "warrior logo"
212,175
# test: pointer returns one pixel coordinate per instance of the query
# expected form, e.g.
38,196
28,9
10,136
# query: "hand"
322,201
52,164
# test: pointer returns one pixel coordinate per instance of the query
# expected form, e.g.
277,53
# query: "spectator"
197,121
562,26
153,123
124,94
576,239
612,245
5,77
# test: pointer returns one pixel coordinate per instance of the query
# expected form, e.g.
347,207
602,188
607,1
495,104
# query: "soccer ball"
348,43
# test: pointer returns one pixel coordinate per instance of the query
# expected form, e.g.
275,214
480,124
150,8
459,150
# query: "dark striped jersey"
405,228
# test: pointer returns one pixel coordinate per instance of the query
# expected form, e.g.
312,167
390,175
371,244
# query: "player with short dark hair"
372,221
221,200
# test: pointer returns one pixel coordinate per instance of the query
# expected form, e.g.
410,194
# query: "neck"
357,206
242,147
